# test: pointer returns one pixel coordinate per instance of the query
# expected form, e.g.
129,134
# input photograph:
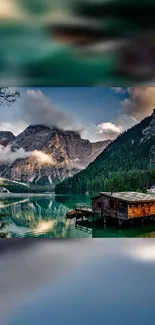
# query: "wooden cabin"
124,205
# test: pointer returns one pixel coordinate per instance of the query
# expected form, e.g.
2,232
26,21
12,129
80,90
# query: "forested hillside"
19,187
128,163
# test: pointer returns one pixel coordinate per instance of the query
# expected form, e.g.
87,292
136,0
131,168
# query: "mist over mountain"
45,155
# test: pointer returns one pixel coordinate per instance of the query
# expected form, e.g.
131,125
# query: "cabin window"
99,205
111,204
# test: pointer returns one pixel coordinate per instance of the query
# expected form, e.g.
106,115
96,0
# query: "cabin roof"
152,187
95,197
132,197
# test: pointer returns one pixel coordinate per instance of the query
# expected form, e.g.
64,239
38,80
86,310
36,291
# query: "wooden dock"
84,214
85,209
81,211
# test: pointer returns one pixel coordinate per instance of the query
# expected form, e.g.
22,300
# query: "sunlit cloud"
7,155
109,129
139,103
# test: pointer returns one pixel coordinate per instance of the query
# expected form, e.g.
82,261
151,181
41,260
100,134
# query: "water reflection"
38,216
45,216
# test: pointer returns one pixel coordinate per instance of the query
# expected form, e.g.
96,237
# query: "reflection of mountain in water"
36,216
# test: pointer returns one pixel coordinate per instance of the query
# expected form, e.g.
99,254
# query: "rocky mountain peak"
6,137
56,154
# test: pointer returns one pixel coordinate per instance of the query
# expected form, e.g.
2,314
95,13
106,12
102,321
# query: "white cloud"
101,132
106,127
9,156
109,130
6,155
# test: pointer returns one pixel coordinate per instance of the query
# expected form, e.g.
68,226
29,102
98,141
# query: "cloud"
9,156
6,155
139,103
15,128
42,157
103,131
36,108
109,130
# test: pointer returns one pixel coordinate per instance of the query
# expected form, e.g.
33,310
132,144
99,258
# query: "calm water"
45,216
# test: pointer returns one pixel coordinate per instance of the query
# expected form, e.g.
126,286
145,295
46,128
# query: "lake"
44,215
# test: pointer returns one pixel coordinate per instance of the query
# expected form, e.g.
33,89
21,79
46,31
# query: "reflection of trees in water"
71,200
2,226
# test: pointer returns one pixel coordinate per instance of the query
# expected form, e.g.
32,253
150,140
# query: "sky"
97,113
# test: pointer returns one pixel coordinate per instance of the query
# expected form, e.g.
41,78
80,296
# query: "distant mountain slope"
13,186
49,155
6,137
128,163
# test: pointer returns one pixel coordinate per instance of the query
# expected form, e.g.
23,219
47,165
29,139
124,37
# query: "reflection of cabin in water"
124,205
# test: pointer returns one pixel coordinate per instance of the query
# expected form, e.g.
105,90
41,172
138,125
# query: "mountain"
6,137
128,163
44,155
